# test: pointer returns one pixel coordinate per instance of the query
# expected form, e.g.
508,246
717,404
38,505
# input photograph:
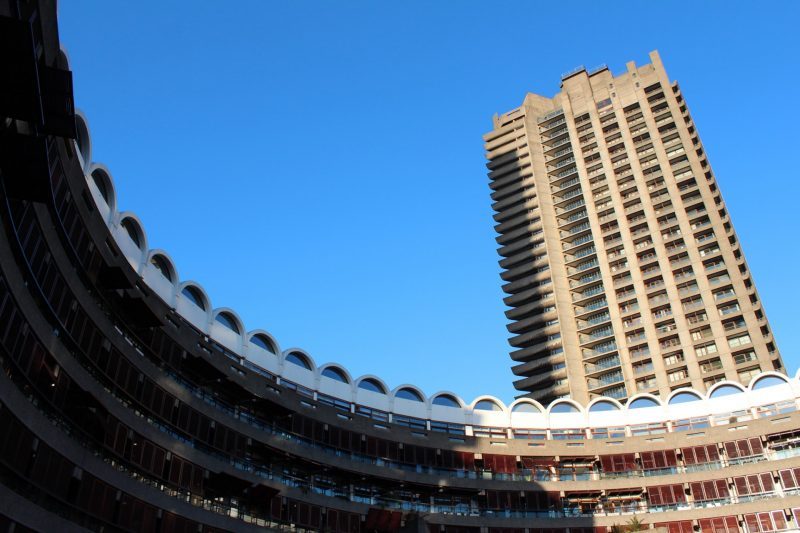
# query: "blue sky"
318,166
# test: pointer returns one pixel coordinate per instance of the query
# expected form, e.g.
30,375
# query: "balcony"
585,279
588,293
602,364
605,381
597,335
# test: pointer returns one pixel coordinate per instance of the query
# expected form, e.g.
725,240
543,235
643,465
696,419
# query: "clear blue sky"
318,166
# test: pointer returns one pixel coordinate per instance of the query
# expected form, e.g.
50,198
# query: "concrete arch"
764,375
230,315
101,179
499,406
447,394
199,294
515,406
617,406
416,391
133,227
164,264
339,369
266,338
643,396
685,391
302,355
712,392
83,143
373,379
566,401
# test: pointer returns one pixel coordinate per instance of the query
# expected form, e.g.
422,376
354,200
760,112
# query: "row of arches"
160,272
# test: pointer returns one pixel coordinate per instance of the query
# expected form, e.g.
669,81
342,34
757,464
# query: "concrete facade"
623,271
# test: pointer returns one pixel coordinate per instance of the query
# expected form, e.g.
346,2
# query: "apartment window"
673,358
677,375
702,333
747,374
664,312
708,382
669,342
666,327
711,365
697,318
724,293
707,349
729,309
744,357
692,303
734,323
718,279
634,320
644,384
740,340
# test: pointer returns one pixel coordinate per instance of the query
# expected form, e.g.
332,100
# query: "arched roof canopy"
643,401
564,405
161,261
768,379
195,294
725,388
133,227
264,340
599,405
409,392
228,318
683,396
488,403
298,357
372,384
84,140
446,399
527,405
335,372
100,176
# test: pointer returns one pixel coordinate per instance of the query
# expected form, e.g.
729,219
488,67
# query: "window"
298,360
409,394
711,365
371,385
744,357
702,333
729,309
487,405
707,349
673,358
677,375
735,342
195,296
704,491
446,400
746,375
228,321
335,374
161,264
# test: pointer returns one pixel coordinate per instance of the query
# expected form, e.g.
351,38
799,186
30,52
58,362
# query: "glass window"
228,321
409,394
298,360
371,385
335,374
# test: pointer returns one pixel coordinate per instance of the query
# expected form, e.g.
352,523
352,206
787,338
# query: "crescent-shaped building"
128,402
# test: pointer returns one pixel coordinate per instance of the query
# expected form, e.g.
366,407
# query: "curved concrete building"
128,402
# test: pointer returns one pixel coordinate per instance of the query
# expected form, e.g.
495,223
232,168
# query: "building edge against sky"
623,271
